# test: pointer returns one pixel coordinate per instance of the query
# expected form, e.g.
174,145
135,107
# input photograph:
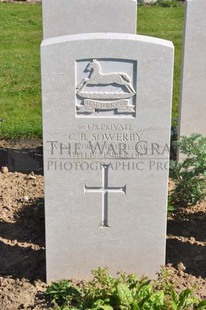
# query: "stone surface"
106,137
79,16
193,99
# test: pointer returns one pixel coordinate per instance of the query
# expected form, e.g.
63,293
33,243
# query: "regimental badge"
105,93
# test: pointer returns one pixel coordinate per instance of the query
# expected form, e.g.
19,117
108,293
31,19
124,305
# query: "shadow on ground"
186,242
22,243
21,262
22,159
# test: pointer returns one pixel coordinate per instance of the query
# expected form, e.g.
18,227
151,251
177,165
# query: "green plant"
63,293
126,292
189,174
182,300
170,206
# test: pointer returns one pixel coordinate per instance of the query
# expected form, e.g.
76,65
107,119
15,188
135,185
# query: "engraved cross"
104,189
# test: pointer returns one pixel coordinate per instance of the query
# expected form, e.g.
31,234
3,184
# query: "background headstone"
106,137
66,17
193,97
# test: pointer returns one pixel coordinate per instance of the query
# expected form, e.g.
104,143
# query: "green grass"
165,23
20,99
20,37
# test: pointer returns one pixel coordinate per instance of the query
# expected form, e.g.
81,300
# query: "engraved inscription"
92,106
102,92
104,189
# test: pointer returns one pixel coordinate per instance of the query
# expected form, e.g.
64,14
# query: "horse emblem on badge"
104,93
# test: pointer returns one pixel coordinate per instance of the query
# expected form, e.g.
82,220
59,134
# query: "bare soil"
22,244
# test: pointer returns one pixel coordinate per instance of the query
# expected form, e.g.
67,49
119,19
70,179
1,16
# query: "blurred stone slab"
149,1
193,97
66,17
106,123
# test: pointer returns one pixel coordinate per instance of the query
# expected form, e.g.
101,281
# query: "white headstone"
193,98
106,113
66,17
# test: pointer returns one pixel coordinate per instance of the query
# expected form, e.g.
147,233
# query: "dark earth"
22,240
